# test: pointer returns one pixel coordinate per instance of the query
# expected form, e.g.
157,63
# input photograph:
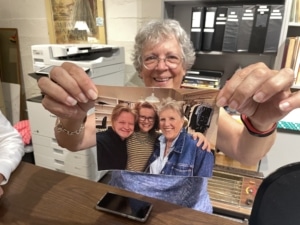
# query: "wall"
123,18
286,148
29,18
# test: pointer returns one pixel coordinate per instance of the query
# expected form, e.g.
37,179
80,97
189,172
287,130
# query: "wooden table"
38,196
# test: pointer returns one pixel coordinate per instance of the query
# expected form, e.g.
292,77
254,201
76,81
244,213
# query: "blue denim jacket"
185,191
186,159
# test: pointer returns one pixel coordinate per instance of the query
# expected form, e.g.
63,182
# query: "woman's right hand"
68,91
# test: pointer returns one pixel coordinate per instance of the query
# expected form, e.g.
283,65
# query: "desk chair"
277,201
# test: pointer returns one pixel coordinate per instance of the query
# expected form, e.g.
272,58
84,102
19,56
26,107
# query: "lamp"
82,25
152,98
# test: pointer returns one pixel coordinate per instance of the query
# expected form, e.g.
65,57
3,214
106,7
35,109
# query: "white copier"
105,64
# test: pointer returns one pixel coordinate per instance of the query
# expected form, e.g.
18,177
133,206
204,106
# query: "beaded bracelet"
253,131
60,128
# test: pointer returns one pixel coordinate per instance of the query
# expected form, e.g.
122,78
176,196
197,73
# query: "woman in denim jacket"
176,152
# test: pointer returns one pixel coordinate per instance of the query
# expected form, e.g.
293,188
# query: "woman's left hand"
260,93
202,140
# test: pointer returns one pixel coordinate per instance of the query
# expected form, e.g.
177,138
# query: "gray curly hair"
156,31
169,103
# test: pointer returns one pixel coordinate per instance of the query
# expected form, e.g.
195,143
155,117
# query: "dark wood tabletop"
38,196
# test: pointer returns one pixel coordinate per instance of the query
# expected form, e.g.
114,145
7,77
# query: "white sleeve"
11,148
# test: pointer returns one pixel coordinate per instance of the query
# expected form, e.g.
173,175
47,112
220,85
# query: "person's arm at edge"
11,149
237,143
85,139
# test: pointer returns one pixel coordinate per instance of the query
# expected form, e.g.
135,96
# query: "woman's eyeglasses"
172,61
144,118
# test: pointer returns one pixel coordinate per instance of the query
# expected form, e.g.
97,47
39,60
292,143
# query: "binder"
274,28
290,53
259,30
232,29
295,51
245,28
220,22
197,26
209,28
285,51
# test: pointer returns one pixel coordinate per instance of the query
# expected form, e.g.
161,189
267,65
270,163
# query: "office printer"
105,64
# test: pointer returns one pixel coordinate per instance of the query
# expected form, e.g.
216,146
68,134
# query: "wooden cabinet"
221,61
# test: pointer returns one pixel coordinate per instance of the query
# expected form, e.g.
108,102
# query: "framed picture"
76,21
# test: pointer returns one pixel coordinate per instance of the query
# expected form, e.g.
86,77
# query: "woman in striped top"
141,143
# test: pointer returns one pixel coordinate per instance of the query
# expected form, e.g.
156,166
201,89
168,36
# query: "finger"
199,141
228,92
206,146
53,90
242,98
61,110
291,102
75,81
66,81
85,82
281,81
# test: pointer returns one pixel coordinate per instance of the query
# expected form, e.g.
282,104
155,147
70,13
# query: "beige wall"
123,18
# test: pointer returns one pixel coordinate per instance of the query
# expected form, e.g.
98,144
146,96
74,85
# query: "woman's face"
162,75
146,119
170,123
124,125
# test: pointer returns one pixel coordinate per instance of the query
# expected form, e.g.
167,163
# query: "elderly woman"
176,152
162,54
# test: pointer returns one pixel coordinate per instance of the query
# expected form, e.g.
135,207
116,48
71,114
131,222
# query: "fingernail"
71,101
93,95
233,105
221,102
259,97
284,106
82,98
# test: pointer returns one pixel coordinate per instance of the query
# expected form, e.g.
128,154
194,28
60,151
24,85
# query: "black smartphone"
131,208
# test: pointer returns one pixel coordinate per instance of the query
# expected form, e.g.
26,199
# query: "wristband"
253,131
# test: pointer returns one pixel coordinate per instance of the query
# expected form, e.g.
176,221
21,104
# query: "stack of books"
202,79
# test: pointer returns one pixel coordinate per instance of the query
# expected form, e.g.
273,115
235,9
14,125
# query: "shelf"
238,52
226,61
224,2
294,24
296,86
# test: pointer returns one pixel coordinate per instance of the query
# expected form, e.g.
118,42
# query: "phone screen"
125,206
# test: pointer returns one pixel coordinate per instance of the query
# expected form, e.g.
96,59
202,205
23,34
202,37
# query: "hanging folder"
259,30
220,22
197,27
232,29
209,28
245,28
274,28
